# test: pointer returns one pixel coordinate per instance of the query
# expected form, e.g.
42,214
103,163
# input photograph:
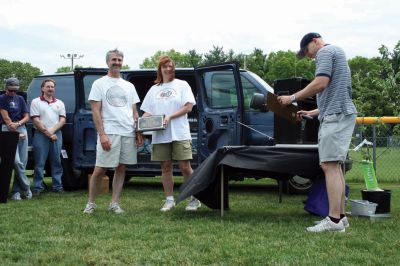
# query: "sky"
40,31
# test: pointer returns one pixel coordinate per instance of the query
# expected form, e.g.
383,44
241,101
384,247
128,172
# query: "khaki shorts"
334,136
123,151
176,150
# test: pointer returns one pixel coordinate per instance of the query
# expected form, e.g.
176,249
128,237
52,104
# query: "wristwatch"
292,98
19,123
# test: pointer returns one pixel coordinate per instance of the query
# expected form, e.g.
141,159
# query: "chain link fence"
383,151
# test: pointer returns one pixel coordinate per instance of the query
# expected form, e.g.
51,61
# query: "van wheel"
297,185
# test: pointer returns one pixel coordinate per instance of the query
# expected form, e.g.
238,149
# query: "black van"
221,117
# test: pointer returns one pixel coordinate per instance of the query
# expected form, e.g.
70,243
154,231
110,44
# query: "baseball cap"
11,82
305,41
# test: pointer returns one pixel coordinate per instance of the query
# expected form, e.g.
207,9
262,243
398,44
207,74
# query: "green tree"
192,59
181,60
255,62
25,72
392,57
391,79
376,87
64,69
285,64
365,77
217,55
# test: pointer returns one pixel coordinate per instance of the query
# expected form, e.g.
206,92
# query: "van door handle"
224,120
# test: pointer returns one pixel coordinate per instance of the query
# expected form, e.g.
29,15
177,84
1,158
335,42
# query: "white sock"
171,198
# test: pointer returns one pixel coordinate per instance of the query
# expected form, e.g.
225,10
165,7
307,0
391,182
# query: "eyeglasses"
12,91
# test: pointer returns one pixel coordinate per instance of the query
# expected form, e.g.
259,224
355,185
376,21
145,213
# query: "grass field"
52,230
387,166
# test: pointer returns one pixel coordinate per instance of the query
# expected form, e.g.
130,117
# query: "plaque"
150,123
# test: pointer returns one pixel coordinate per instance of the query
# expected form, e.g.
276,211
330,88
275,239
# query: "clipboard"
286,112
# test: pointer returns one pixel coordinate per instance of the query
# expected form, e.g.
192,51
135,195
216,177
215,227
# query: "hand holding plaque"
151,123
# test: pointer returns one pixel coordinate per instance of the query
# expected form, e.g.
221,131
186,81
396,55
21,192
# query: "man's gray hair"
115,51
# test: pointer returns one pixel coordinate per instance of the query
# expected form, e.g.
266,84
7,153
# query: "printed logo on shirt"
55,107
116,96
166,94
13,105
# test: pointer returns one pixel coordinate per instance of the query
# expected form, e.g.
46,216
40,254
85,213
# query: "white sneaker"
27,195
16,196
90,207
193,204
115,208
344,220
168,205
327,225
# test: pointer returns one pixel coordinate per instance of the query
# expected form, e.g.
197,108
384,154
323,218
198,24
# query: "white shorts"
123,151
334,137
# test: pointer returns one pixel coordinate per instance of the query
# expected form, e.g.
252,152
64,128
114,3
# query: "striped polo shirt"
336,98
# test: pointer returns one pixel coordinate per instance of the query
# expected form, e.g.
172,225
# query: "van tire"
297,185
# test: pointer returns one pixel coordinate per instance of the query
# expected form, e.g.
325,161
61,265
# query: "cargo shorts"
123,151
176,150
334,137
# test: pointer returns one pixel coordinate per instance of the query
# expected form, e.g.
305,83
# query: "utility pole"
71,57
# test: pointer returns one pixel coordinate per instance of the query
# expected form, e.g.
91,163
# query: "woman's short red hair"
164,59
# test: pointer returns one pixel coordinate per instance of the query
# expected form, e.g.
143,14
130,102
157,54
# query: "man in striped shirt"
336,113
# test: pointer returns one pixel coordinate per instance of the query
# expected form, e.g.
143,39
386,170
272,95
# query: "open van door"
85,135
220,108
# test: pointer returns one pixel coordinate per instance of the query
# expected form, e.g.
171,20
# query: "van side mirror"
259,102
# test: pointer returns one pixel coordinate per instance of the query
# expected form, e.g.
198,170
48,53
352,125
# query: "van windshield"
261,81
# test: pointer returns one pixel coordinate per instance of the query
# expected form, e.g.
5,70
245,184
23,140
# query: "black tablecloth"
8,147
254,161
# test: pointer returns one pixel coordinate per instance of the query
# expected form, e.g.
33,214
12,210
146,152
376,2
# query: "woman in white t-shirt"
172,98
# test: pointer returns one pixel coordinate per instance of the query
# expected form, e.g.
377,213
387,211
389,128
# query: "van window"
87,84
220,89
65,91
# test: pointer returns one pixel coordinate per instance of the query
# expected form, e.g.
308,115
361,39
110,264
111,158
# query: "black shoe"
36,193
61,190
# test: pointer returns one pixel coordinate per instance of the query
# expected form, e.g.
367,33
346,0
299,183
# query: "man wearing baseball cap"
336,113
14,115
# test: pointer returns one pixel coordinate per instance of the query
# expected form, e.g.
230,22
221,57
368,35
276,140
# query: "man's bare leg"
94,184
334,187
118,182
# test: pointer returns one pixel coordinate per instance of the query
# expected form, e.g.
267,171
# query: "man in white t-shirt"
48,117
113,101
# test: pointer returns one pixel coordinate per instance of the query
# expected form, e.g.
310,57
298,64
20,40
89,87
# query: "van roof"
124,71
92,69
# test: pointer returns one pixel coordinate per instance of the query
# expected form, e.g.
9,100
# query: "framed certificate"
150,123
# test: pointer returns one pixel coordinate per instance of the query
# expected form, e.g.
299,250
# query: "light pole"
252,58
72,57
